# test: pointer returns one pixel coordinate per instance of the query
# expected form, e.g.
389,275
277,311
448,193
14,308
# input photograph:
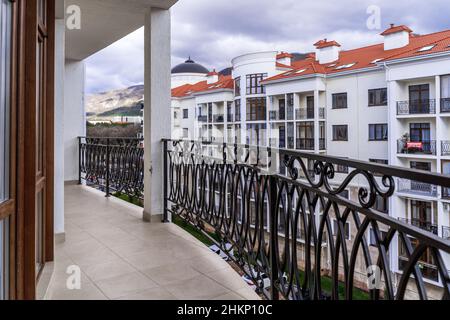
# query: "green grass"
195,232
133,200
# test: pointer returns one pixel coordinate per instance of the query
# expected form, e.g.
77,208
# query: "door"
421,132
282,137
310,107
421,214
419,99
6,180
282,109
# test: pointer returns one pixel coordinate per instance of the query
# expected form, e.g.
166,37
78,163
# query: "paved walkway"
122,257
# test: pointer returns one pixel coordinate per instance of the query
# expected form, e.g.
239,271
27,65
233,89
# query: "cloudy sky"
212,32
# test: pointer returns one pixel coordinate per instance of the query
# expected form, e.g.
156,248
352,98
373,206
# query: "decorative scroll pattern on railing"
298,228
423,106
113,165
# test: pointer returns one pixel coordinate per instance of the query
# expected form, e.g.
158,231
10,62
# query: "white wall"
59,128
74,116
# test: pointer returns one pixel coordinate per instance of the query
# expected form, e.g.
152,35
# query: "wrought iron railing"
305,144
202,118
419,147
218,118
112,165
304,113
445,148
215,195
417,188
446,193
445,105
425,225
423,106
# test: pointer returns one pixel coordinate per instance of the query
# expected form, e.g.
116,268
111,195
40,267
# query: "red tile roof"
225,82
284,55
395,29
367,57
324,44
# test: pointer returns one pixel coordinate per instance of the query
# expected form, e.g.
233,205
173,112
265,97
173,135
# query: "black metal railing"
411,107
218,118
305,144
112,165
445,148
445,105
202,118
227,197
417,188
425,225
419,147
446,193
230,117
304,113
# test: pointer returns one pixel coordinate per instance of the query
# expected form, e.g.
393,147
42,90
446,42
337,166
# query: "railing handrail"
389,170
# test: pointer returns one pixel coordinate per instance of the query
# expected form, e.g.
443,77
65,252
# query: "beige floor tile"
151,294
87,292
198,288
248,294
231,296
125,285
92,257
108,270
151,259
132,248
209,263
172,273
230,280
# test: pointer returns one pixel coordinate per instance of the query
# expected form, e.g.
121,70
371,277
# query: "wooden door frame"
23,122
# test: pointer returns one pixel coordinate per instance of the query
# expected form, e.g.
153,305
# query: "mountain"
115,102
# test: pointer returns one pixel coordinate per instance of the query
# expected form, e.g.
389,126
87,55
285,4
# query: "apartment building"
387,103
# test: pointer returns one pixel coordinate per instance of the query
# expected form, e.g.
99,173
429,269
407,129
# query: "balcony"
218,118
277,116
416,107
417,188
322,113
305,144
303,188
322,144
122,257
424,225
202,118
419,147
304,114
445,148
446,193
445,105
446,232
230,117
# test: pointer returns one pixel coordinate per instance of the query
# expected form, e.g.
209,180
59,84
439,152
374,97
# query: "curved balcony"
415,107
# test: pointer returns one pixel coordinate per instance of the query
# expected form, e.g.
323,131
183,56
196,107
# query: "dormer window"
300,71
345,66
426,48
376,60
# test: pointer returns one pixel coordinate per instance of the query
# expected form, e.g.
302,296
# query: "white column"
157,107
316,121
74,116
59,130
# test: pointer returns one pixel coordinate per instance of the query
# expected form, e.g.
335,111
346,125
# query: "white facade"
373,129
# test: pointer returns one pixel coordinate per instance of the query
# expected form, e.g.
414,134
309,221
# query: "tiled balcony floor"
122,257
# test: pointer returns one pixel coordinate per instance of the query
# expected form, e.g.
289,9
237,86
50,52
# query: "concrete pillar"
59,130
157,108
74,116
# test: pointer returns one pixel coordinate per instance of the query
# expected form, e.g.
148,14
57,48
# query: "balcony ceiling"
103,22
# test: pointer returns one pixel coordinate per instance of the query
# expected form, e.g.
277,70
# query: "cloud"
213,32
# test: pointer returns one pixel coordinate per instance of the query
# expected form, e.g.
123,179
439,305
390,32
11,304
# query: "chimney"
327,51
212,77
396,37
285,58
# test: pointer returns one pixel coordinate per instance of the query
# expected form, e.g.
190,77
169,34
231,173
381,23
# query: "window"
185,133
5,46
346,229
424,166
345,194
254,85
372,238
340,101
256,134
237,87
256,109
185,113
237,110
381,204
378,132
378,97
340,133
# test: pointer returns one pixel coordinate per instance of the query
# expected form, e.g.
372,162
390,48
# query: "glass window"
237,86
185,113
340,133
254,85
340,101
378,132
346,229
378,97
256,109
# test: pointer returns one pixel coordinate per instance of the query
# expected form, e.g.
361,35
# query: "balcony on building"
445,105
416,107
218,118
412,187
424,147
